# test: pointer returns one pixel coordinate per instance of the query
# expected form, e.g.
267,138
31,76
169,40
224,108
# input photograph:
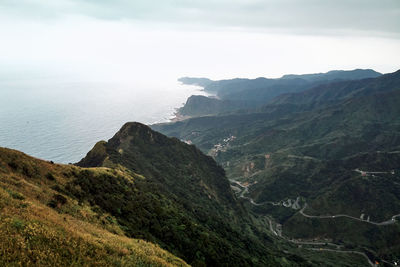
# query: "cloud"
123,40
368,17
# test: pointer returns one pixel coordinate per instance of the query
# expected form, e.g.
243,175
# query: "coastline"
176,116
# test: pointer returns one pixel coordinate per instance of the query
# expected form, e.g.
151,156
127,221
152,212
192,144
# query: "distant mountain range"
298,171
140,185
237,94
334,144
335,75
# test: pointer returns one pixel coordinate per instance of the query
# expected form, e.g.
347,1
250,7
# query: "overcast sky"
142,40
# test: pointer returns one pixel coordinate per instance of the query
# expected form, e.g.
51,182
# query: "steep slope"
184,202
310,145
42,224
49,217
167,162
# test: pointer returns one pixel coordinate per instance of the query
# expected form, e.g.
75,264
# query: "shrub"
18,224
13,165
50,176
57,201
16,195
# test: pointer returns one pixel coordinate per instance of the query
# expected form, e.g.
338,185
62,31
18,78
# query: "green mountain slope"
43,224
61,215
336,92
198,105
183,202
324,146
239,94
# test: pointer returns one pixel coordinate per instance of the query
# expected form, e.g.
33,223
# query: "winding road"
388,222
295,205
345,251
245,190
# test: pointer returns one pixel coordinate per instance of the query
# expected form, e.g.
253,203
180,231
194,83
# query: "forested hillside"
332,149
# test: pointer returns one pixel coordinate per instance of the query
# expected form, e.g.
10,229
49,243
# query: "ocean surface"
61,121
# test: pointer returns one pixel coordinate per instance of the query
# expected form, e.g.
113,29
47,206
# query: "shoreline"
178,117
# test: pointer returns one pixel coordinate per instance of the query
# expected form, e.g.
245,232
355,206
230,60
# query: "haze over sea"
62,120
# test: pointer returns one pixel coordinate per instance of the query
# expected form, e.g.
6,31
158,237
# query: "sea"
61,121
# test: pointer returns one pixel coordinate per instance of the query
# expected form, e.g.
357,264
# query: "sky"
159,40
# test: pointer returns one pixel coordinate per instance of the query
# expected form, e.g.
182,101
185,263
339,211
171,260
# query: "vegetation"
335,147
57,215
245,94
64,232
183,200
309,144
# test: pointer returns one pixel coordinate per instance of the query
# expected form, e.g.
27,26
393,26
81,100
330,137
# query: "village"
221,147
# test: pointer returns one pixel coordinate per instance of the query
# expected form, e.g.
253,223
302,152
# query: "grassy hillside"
184,201
334,148
42,224
60,215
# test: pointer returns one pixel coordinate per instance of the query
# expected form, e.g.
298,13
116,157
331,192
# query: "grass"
71,233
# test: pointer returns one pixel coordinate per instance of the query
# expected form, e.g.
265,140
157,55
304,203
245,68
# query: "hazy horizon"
60,60
141,41
108,159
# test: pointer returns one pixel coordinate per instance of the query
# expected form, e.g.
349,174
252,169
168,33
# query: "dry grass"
71,234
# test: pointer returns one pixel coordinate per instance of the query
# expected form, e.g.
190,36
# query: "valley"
313,245
259,133
309,178
319,165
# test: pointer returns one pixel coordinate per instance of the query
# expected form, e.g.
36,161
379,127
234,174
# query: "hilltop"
145,186
306,177
43,223
185,201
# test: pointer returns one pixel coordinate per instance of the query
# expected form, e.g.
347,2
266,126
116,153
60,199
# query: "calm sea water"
61,121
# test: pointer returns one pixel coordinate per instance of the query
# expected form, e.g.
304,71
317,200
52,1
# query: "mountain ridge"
236,94
308,144
184,190
43,224
316,168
